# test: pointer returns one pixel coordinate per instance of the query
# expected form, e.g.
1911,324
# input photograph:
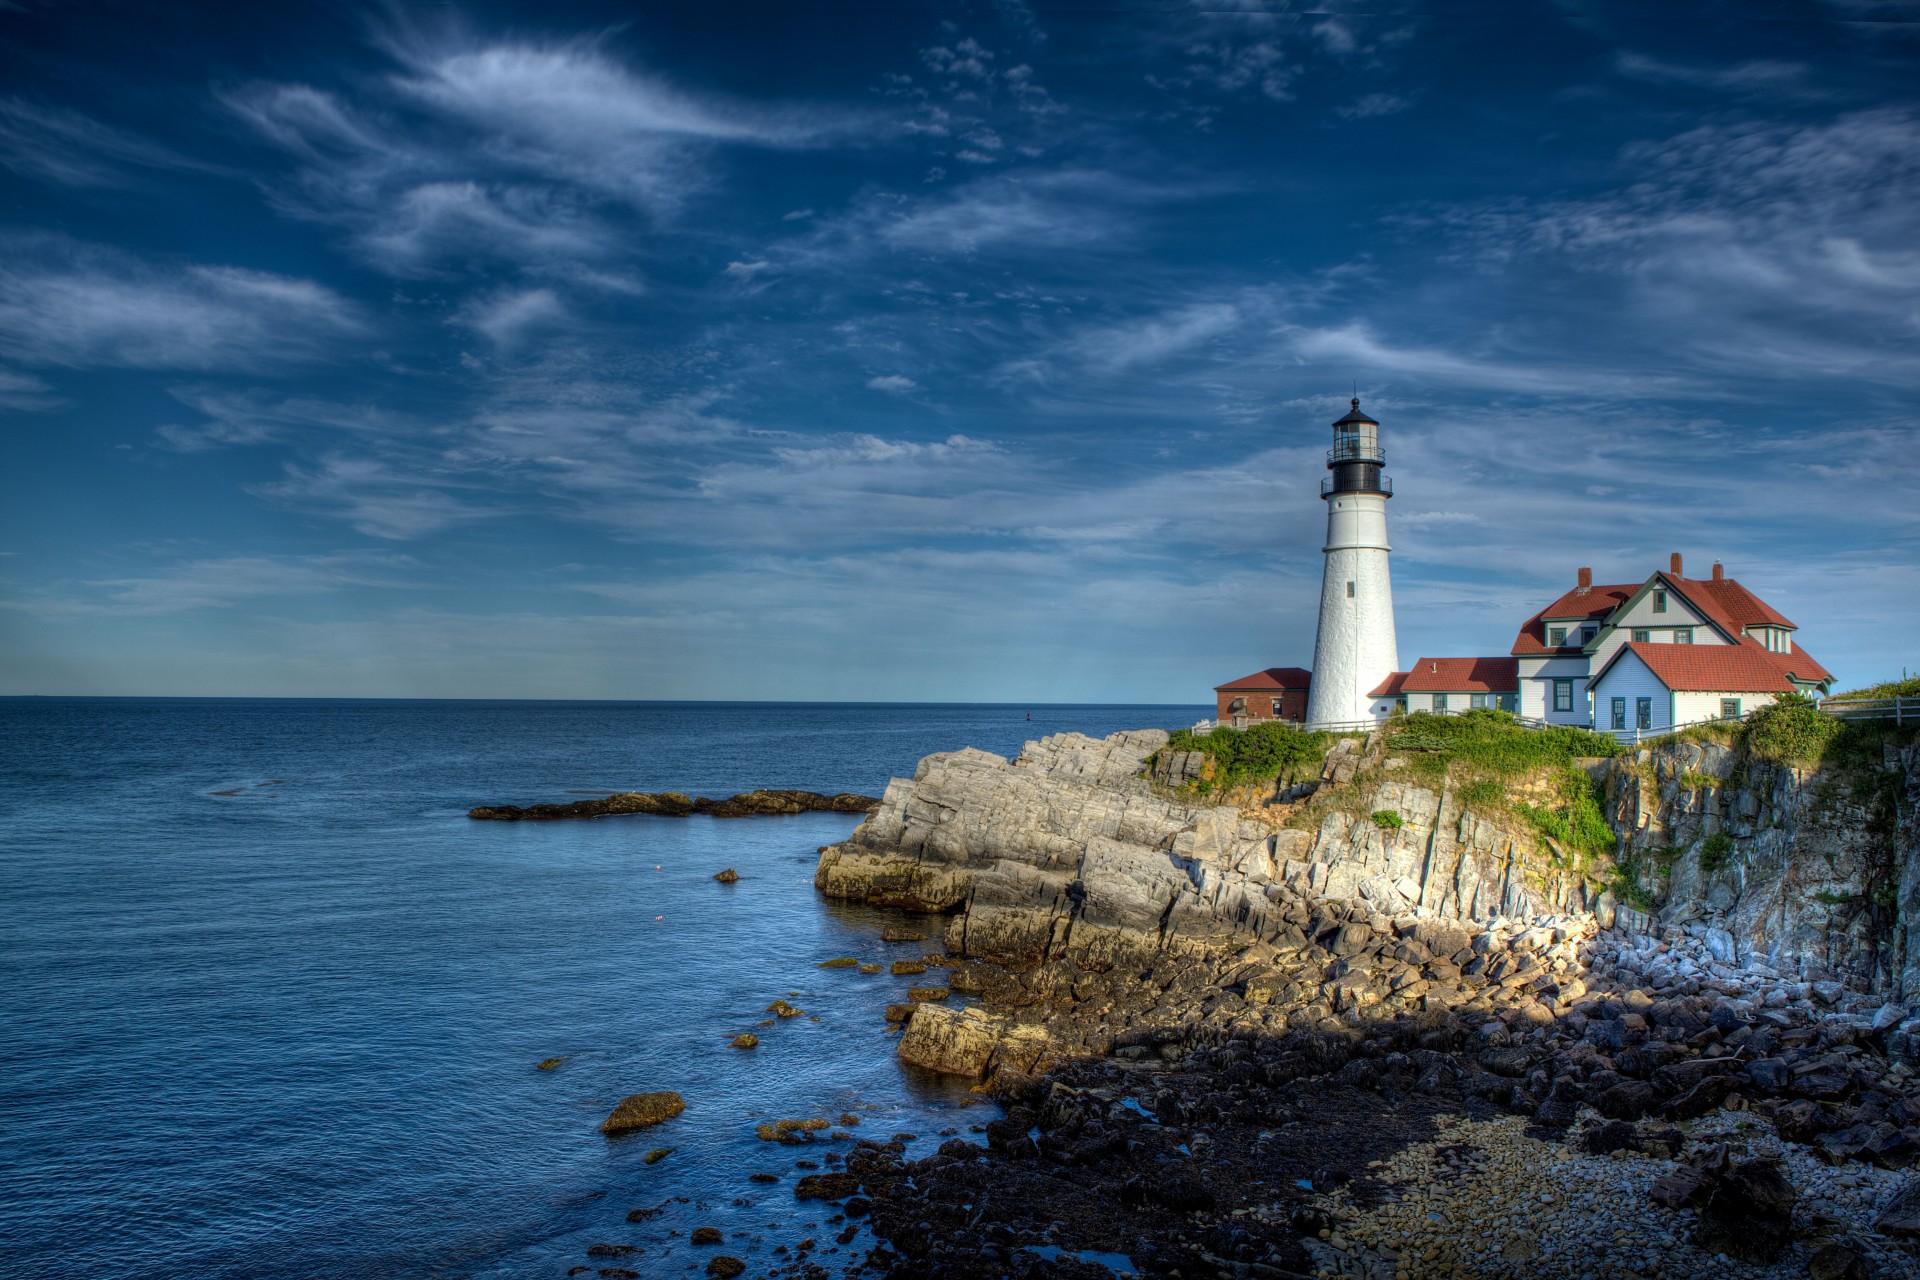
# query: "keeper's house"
1446,685
1671,650
1278,693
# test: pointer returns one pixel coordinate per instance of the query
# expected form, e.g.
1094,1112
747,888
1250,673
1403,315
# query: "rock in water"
826,1186
656,1155
706,1235
746,1040
676,804
1749,1214
729,876
725,1268
549,1064
642,1111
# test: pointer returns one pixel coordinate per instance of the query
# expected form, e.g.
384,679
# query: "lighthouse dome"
1356,418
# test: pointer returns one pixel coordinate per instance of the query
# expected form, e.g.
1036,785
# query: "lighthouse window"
1349,589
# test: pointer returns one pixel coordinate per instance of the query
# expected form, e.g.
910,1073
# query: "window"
1556,636
1619,713
1683,635
1641,635
1659,602
1400,704
1729,708
1276,706
1643,712
1349,588
1587,634
1439,702
1563,695
1479,701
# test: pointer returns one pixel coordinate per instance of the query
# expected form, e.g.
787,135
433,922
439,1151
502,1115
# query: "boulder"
826,1186
729,876
1749,1214
722,1267
1900,1216
642,1111
707,1235
1837,1261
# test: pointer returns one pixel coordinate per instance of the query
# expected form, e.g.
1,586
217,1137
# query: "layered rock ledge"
675,804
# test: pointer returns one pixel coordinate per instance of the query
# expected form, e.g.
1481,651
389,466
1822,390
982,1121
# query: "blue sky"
970,351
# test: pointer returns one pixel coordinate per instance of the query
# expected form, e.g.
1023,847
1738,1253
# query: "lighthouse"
1354,649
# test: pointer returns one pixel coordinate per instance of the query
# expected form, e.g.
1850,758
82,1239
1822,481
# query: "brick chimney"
1585,578
1719,573
1676,569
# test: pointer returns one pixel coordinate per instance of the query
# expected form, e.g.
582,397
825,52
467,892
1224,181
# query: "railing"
1899,710
1356,452
1371,484
1637,735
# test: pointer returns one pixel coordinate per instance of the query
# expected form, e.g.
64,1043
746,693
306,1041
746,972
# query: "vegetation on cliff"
1271,752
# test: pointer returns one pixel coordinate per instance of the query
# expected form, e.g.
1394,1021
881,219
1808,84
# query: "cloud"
1373,105
1766,76
376,498
76,150
63,303
226,582
506,318
1017,211
891,382
25,393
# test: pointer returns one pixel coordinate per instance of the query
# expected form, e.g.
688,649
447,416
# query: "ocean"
271,1005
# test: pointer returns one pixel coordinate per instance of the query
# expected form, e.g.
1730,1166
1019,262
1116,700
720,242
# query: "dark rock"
1628,1100
675,804
707,1235
642,1110
746,1040
826,1186
1837,1261
1749,1215
723,1267
613,1250
1771,1074
1702,1097
763,1177
549,1064
899,1012
1608,1137
1901,1215
729,876
656,1155
1685,1186
1801,1121
907,968
618,1273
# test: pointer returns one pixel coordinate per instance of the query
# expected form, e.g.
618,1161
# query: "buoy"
659,917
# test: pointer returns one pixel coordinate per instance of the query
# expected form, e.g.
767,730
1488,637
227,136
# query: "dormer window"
1556,637
1587,634
1659,601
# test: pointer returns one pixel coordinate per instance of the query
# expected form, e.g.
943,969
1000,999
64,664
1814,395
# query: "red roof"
1744,607
1462,675
1271,678
1710,668
1390,687
1587,604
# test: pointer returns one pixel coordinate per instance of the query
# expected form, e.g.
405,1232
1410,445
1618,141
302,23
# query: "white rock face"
1354,648
1068,851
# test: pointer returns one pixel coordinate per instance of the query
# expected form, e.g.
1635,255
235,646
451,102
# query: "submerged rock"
725,1268
656,1155
729,876
707,1235
641,1111
550,1064
746,1040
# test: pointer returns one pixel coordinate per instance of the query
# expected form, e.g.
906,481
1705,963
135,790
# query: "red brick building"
1278,693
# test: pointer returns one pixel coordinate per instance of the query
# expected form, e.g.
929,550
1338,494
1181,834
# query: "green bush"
1387,819
1716,851
1264,752
1908,688
1791,731
1691,781
1576,821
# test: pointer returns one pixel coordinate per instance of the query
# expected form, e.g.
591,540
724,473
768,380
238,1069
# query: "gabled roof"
1461,675
1267,681
1740,604
1708,668
1390,687
1582,604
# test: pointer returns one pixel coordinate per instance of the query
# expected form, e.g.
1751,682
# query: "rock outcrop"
674,804
642,1111
1069,851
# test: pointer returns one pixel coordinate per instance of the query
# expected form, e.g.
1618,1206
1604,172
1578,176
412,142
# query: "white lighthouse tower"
1354,649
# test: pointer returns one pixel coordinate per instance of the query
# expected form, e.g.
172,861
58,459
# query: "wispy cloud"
77,150
63,303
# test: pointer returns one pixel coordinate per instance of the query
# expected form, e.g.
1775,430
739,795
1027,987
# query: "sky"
932,351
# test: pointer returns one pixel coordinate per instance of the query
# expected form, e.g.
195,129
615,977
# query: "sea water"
271,1005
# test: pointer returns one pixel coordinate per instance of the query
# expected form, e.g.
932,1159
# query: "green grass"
1908,688
1691,781
1575,820
1490,743
1792,731
1387,819
1483,795
1262,753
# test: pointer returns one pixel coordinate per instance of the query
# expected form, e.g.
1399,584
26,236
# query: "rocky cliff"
1812,871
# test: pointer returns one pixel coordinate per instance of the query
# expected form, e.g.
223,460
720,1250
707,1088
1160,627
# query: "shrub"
1576,821
1387,820
1691,781
1791,731
1260,753
1493,743
1716,851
